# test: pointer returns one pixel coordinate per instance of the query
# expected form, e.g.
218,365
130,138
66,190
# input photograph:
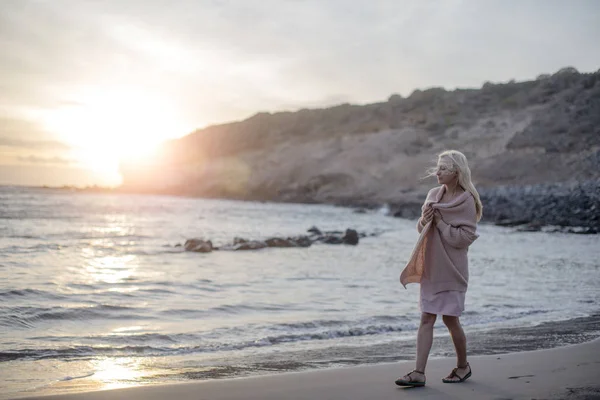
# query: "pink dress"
449,302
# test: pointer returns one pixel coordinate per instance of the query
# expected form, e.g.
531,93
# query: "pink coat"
441,250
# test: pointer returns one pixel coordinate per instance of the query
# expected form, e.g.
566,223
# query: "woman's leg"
458,338
424,339
460,345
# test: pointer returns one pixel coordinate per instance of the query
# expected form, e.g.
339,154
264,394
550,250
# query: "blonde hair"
460,165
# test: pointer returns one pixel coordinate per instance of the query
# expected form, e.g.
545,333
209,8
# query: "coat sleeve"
463,233
430,195
419,226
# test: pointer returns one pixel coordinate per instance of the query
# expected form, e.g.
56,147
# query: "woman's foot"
413,378
458,374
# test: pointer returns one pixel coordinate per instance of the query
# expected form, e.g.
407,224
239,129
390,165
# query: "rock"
198,245
331,239
297,241
581,230
535,226
279,242
567,71
249,245
314,230
511,222
302,241
407,210
567,204
350,237
395,98
360,211
238,240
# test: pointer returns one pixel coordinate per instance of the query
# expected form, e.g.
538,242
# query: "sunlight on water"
111,269
128,329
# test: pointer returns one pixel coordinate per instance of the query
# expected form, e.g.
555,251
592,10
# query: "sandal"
411,381
455,375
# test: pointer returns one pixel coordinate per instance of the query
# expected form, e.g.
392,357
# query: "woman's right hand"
427,215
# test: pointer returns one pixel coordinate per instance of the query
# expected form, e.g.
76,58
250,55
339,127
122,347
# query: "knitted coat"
441,250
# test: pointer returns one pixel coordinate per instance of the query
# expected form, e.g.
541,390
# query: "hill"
544,131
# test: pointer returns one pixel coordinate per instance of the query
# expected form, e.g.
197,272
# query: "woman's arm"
462,233
426,217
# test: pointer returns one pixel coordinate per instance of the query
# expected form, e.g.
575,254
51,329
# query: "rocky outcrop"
533,207
515,134
349,237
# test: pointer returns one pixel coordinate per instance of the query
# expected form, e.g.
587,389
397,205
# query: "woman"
439,261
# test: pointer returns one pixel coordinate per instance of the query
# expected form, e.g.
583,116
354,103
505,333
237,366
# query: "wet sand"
569,372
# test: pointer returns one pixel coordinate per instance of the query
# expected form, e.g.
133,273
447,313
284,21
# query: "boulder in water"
315,231
249,245
198,245
279,242
350,237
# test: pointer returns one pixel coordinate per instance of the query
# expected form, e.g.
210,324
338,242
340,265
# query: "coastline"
570,371
565,207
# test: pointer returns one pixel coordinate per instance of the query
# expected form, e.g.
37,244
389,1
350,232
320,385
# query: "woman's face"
445,173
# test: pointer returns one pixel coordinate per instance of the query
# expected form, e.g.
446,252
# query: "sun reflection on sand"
117,373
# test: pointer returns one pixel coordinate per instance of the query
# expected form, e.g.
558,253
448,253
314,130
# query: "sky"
86,83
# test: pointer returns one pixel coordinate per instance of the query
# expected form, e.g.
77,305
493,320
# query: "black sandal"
411,382
455,375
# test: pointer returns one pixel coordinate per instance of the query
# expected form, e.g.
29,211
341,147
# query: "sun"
107,126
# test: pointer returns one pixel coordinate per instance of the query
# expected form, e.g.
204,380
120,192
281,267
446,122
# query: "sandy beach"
570,372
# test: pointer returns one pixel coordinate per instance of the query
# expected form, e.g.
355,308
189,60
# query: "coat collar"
454,202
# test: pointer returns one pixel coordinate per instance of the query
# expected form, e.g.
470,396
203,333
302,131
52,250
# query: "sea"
96,291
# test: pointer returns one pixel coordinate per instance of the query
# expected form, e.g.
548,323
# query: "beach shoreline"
115,373
565,207
570,371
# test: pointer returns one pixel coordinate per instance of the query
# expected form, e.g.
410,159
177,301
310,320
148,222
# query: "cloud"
221,59
217,60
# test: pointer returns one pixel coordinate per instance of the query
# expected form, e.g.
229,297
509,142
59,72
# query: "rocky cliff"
544,131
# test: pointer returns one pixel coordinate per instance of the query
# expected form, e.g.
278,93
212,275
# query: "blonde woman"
439,261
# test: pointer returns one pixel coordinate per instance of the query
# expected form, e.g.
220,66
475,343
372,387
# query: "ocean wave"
24,237
226,309
79,352
332,334
83,351
28,316
21,217
122,338
40,247
377,319
18,293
